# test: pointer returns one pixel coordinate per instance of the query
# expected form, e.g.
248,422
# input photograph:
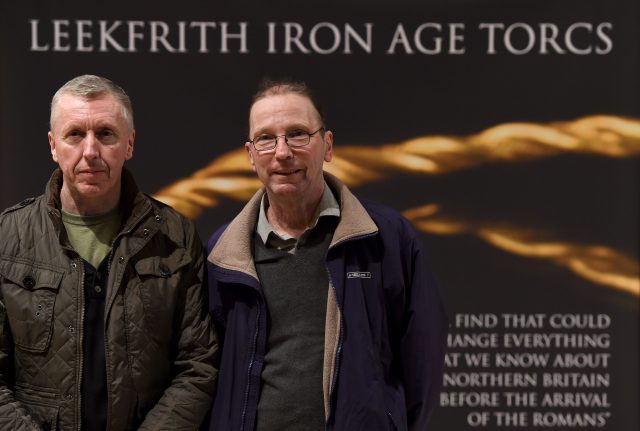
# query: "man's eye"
296,134
74,135
264,138
107,137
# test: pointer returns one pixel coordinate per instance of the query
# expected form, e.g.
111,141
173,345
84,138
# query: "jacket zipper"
334,375
251,362
104,337
106,350
56,219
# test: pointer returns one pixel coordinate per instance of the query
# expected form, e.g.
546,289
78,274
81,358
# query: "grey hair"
91,87
271,87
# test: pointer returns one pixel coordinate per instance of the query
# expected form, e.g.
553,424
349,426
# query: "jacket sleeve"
215,301
185,402
13,416
423,341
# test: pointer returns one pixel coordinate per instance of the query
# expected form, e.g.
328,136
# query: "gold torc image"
230,177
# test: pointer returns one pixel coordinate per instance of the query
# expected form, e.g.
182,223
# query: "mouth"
287,172
91,171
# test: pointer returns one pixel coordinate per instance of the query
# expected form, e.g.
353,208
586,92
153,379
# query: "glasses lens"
264,142
297,138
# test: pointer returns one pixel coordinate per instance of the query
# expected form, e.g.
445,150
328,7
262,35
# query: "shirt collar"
328,206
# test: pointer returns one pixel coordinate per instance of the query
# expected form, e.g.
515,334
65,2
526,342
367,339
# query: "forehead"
73,108
281,111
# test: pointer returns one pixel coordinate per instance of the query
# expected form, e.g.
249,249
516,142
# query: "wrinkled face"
90,140
289,172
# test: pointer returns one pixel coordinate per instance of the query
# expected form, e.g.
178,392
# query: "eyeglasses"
294,139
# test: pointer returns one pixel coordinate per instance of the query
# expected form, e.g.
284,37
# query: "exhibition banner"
506,131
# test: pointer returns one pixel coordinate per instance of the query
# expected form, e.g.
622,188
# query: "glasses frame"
286,141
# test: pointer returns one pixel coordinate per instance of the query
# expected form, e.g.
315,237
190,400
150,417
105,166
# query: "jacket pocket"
29,293
392,422
157,288
395,408
163,266
41,404
145,402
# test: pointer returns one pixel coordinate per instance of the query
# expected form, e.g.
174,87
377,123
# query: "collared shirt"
328,206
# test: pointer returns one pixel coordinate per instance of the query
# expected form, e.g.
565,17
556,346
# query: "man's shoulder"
385,216
18,206
19,220
162,209
235,231
213,239
23,204
394,229
376,208
174,220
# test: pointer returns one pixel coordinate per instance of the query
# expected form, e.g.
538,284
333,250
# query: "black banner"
508,132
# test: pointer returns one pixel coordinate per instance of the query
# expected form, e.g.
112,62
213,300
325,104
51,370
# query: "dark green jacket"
159,343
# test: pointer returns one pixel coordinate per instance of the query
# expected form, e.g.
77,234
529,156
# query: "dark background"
191,108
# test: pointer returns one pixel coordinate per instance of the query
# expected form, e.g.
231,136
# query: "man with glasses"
329,318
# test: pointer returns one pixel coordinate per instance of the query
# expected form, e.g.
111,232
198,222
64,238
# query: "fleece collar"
233,249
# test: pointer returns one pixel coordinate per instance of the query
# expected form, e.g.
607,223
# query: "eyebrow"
295,126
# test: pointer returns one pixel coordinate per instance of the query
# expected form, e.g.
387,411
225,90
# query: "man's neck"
82,206
292,216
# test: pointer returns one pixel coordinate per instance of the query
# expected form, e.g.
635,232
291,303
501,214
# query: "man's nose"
91,148
283,151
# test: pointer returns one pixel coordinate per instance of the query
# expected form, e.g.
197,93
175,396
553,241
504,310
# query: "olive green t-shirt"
92,236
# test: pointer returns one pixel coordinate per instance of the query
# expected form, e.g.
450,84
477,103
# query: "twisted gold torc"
230,177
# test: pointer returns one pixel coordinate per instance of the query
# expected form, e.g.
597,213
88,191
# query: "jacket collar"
233,249
134,203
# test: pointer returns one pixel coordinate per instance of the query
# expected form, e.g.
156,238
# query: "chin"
286,190
91,190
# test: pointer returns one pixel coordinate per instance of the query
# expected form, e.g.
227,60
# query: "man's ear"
52,145
132,138
247,147
328,141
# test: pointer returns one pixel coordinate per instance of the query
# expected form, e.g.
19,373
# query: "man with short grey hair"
102,322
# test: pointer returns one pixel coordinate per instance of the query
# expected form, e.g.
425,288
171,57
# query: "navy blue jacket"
386,326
